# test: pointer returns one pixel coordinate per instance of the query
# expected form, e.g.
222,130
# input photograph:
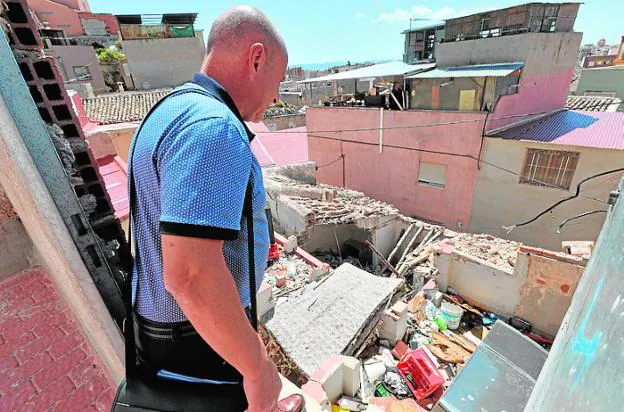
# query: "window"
82,73
549,168
432,174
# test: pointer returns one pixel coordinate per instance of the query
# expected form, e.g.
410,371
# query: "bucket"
452,314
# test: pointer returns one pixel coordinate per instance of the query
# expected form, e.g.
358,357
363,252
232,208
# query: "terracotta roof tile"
122,107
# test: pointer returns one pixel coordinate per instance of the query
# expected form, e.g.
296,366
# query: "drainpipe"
381,116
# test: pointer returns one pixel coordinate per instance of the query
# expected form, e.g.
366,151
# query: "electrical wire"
368,129
449,154
578,217
331,163
578,188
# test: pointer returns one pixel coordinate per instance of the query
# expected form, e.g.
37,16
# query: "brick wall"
51,98
46,364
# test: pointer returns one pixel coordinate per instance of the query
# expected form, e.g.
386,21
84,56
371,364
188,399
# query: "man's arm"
196,275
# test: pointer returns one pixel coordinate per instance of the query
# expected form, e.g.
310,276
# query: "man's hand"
263,389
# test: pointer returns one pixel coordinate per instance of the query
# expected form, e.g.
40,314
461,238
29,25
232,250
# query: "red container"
425,377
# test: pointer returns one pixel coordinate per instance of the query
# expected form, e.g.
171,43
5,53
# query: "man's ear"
257,56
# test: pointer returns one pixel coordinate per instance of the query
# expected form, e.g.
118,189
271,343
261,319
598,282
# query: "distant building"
68,32
604,81
492,70
548,156
73,20
162,50
421,42
598,61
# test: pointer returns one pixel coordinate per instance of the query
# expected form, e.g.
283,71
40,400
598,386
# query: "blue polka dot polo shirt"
191,163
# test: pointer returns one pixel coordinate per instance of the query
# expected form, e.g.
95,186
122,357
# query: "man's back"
191,164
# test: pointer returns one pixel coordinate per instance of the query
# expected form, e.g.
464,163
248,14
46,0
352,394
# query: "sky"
323,31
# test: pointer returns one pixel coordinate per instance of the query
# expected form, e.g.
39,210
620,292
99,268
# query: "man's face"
267,83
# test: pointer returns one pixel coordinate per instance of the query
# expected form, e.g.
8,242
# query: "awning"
370,72
479,70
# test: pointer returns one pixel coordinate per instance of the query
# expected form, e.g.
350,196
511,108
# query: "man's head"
248,57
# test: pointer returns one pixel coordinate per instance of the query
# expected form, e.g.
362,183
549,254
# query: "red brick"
82,372
24,371
54,393
66,345
105,400
57,368
15,399
45,295
85,396
13,342
47,329
29,322
9,323
39,345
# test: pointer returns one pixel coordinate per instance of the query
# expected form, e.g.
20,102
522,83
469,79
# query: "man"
192,164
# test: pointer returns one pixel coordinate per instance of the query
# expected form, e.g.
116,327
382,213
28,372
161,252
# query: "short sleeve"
204,170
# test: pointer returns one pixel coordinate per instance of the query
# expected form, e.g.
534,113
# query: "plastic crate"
420,374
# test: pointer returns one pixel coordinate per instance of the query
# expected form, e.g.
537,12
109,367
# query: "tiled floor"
45,361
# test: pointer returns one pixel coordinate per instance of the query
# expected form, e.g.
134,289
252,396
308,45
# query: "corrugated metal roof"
598,130
479,70
374,71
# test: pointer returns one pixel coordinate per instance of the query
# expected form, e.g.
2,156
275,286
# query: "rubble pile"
497,251
288,275
281,110
346,207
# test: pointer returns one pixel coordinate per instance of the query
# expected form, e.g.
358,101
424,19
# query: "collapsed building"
381,284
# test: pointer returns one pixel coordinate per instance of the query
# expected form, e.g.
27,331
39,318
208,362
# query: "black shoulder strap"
128,330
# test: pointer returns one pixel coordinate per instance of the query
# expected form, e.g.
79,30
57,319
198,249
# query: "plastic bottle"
439,320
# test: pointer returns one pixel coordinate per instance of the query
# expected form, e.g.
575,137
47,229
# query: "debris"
395,384
499,252
62,147
337,323
394,323
446,350
399,350
383,259
375,368
88,203
291,245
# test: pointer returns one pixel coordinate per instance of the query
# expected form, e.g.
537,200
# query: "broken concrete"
327,321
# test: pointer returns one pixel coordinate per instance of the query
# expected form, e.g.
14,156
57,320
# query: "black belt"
170,331
178,348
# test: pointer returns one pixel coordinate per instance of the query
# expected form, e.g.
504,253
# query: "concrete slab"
328,320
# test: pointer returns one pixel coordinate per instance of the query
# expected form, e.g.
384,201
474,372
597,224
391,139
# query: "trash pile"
424,341
288,274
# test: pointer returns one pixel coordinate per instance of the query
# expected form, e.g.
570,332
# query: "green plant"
109,56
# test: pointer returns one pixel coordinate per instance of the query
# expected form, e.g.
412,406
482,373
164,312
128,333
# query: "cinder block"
329,375
265,301
350,375
394,323
315,391
318,273
291,244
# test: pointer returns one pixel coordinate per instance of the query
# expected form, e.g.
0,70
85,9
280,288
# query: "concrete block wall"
47,89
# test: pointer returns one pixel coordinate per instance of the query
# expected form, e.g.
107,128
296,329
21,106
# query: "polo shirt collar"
216,90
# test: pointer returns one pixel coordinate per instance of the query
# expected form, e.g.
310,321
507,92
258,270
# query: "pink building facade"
67,15
425,161
390,171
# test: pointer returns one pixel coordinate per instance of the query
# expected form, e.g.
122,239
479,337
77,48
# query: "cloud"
359,15
423,12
